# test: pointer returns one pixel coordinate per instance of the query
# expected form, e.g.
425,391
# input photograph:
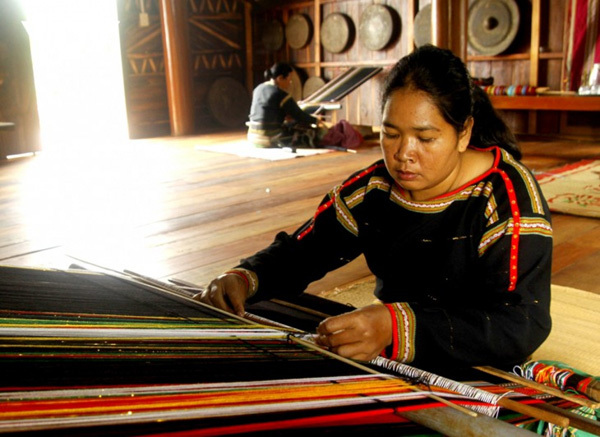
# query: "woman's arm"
292,109
502,326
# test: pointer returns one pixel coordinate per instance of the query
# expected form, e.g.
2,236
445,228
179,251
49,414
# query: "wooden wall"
216,30
360,107
518,64
18,102
226,41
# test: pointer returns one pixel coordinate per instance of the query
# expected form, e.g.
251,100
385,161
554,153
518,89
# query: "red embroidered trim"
514,243
497,154
327,204
392,311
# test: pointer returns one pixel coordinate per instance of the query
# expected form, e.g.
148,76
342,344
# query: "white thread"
433,379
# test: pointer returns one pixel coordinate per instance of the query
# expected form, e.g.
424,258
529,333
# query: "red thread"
392,311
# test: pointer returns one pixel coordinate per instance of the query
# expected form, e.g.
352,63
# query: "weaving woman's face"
422,152
284,82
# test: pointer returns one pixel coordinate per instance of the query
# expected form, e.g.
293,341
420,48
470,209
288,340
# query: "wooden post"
317,38
439,23
534,58
178,70
249,47
459,15
412,9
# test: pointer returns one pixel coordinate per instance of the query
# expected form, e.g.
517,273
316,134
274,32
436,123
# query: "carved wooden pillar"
178,70
449,25
459,16
439,23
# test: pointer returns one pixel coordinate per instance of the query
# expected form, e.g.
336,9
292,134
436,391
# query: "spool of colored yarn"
511,90
561,376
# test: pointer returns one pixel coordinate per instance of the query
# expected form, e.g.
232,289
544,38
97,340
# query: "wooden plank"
547,103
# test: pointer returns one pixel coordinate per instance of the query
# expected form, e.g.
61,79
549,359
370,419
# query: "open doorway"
78,74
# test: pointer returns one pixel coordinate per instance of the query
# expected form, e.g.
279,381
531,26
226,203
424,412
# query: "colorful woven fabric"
583,50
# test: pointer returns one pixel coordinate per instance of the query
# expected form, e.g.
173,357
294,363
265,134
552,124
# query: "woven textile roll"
583,36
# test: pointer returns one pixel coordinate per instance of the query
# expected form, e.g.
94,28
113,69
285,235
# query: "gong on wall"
337,32
492,25
378,26
298,31
272,36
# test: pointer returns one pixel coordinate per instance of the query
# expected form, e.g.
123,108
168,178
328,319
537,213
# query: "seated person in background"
272,106
454,228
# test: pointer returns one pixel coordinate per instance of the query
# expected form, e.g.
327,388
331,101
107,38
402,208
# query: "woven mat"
246,150
575,316
574,188
576,324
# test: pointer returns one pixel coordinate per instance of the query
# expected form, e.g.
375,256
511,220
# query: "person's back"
271,106
266,109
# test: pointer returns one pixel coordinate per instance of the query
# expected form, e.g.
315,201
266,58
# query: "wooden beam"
317,38
534,54
439,23
178,69
249,47
458,16
412,9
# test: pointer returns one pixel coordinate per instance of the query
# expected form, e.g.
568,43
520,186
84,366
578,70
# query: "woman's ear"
464,136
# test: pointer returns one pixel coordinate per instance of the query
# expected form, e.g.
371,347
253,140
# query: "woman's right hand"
227,292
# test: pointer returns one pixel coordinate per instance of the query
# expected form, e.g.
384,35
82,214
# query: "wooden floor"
163,208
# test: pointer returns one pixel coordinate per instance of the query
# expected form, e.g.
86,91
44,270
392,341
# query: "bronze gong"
296,85
336,32
492,26
298,31
422,26
272,35
228,102
376,27
312,85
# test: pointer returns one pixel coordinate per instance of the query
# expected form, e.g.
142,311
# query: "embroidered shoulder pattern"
528,180
528,226
342,212
430,206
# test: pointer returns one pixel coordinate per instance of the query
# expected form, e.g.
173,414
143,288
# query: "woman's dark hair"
278,69
444,77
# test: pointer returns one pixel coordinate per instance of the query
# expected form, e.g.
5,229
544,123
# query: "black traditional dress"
270,107
465,276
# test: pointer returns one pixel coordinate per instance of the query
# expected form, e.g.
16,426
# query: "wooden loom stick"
538,386
575,420
451,423
299,307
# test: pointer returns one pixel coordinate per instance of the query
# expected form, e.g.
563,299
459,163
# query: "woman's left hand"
360,335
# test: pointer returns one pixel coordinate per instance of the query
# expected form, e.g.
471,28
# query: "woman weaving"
452,225
274,113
